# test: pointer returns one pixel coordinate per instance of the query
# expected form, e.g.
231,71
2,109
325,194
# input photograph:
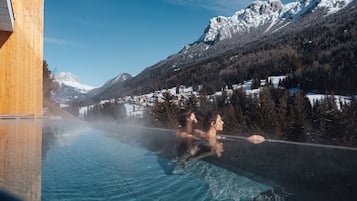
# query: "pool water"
62,160
84,163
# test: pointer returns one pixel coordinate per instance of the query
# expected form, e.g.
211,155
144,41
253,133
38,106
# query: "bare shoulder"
179,130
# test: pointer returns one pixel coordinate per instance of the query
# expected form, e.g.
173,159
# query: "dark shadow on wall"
4,35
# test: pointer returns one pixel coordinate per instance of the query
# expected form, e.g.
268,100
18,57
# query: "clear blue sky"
99,39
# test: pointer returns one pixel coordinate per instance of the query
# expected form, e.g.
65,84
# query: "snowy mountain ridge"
71,80
259,13
119,78
112,82
262,22
70,87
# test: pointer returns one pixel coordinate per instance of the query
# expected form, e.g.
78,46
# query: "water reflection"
20,158
296,171
60,133
98,165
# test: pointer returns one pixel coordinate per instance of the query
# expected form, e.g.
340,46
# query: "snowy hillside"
269,26
136,105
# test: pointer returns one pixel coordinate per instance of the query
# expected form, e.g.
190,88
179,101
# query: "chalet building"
21,57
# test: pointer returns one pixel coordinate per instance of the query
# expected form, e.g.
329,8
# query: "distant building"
228,92
21,56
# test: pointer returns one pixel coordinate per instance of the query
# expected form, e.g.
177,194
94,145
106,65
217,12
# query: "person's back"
185,130
188,135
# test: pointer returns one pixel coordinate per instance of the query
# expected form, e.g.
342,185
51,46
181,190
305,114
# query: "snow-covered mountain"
265,14
119,78
260,19
70,87
109,84
226,39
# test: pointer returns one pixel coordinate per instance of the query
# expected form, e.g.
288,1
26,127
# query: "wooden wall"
20,158
21,57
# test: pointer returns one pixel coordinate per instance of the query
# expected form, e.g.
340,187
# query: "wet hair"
184,115
210,117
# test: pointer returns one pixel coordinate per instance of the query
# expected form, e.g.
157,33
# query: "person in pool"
188,134
213,123
195,140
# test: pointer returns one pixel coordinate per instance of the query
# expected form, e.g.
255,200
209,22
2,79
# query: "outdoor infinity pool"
62,160
85,163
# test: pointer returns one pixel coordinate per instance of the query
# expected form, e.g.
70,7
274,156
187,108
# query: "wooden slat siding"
20,158
21,56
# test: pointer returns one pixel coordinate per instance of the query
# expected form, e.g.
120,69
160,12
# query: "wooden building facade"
20,159
21,56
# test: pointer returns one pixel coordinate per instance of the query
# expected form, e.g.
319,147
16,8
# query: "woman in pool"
214,123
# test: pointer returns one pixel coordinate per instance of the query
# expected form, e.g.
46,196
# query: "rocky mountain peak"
263,13
66,77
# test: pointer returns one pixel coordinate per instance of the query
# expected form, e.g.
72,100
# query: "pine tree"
204,105
297,119
191,103
49,84
252,113
268,121
238,102
282,110
349,123
158,114
331,120
230,119
166,112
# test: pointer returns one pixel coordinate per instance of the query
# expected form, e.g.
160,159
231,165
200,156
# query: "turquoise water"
90,164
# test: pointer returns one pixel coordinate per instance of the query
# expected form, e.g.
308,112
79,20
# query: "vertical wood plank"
21,56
